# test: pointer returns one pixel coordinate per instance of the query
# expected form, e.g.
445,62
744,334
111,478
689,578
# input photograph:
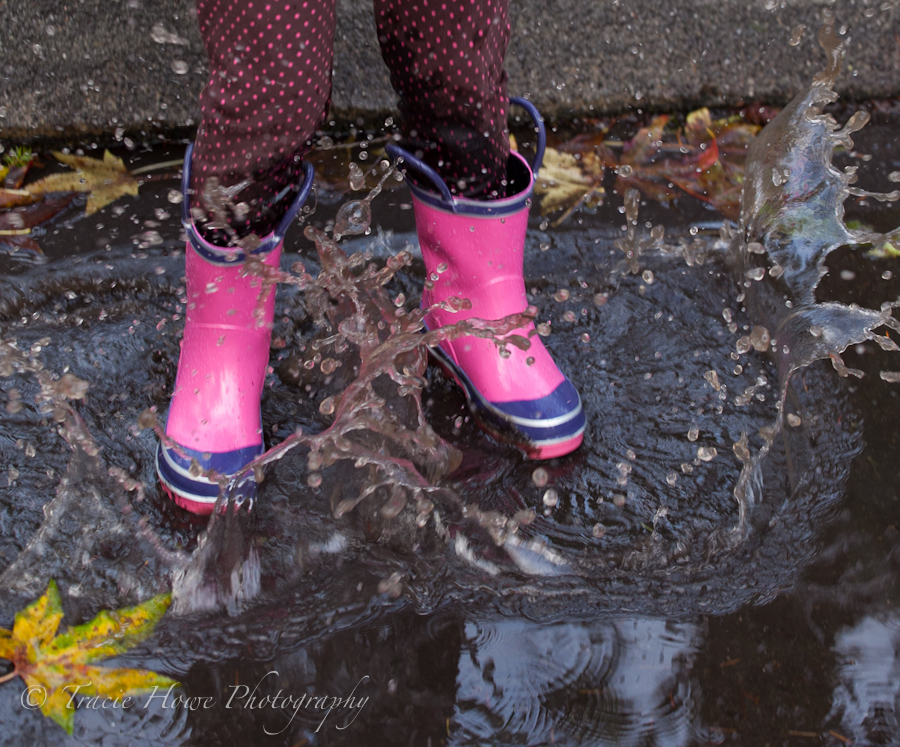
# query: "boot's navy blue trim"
518,177
174,471
229,256
544,421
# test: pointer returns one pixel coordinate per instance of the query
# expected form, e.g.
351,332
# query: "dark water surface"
648,606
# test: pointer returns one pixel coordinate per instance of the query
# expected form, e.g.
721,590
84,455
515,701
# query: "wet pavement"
646,605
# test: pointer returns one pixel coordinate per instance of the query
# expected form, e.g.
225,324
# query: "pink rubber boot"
214,415
474,249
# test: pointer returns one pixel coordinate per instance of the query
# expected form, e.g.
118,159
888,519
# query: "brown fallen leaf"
705,159
21,220
10,198
59,667
105,180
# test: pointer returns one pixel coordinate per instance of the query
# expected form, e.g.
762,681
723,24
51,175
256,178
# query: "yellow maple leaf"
105,180
57,668
565,181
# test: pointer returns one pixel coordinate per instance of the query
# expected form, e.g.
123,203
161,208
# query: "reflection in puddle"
626,682
867,697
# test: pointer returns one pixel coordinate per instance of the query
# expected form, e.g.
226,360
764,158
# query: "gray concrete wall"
94,65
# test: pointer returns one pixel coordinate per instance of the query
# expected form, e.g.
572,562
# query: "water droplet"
647,277
545,224
600,299
504,352
551,498
314,479
544,246
760,339
400,300
706,453
793,420
326,407
540,477
890,376
848,275
352,219
598,531
672,478
887,275
694,230
328,366
179,67
693,434
561,295
569,316
618,500
458,423
175,196
543,329
529,361
357,178
442,267
625,170
797,34
585,337
757,273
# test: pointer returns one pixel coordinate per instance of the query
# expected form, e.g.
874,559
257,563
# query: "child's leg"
269,89
446,62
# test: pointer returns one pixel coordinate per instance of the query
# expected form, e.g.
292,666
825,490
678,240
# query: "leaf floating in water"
21,219
10,198
566,182
105,180
57,667
704,159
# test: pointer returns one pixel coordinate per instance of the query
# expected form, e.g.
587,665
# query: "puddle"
681,579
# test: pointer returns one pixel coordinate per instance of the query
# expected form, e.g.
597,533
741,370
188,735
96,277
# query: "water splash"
791,220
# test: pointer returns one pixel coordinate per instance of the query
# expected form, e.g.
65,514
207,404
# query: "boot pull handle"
395,151
541,131
309,175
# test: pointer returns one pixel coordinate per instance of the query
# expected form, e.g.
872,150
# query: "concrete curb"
84,66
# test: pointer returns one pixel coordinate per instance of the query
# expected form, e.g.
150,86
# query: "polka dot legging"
270,89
